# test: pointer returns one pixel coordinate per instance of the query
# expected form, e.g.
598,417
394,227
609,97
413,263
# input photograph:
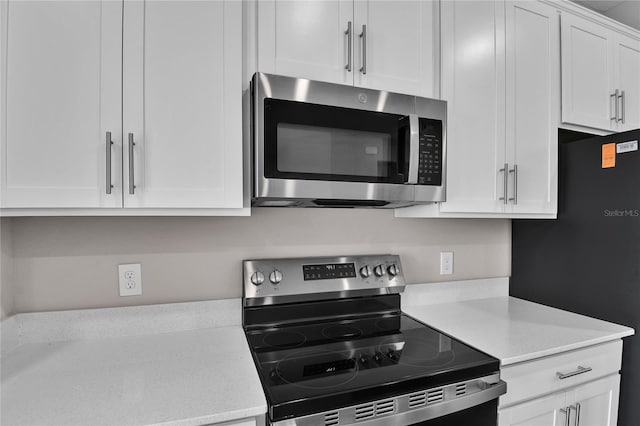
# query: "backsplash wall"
70,263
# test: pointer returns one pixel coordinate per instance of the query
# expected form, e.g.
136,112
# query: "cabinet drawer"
530,379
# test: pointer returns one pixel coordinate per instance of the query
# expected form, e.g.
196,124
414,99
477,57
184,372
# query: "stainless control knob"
378,270
393,270
257,278
365,271
275,277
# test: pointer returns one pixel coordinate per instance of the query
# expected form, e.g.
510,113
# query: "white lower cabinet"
592,404
543,411
577,388
596,403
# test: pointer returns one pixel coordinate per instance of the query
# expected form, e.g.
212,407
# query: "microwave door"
413,153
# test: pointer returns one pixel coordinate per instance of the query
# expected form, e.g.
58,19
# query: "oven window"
308,141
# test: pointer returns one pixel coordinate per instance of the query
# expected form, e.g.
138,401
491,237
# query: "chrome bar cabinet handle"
515,184
132,186
349,34
579,370
363,36
578,414
614,95
567,413
621,98
108,143
505,182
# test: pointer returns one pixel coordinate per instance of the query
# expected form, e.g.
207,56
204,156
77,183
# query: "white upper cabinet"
627,73
61,63
395,46
163,79
182,104
600,83
384,45
500,77
587,73
473,86
309,39
532,106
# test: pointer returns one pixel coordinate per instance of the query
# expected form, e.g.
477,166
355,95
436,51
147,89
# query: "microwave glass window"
323,142
332,151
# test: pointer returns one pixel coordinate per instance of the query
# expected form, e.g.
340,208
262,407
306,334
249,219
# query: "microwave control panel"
430,160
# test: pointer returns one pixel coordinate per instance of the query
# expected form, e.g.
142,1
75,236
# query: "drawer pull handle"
580,370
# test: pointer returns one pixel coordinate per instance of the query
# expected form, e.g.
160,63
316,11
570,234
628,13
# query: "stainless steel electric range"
333,348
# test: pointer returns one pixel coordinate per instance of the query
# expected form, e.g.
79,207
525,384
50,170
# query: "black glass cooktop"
319,365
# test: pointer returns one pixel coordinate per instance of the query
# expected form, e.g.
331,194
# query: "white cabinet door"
62,70
473,86
596,402
182,71
532,94
545,411
399,53
627,75
587,76
307,39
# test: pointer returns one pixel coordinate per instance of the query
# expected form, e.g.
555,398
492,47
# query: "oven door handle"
414,149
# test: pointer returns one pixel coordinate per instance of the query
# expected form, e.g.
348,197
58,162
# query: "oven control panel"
272,281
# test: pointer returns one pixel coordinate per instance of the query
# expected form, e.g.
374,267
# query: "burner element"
341,332
284,339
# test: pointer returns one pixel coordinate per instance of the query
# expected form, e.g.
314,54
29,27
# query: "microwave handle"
414,149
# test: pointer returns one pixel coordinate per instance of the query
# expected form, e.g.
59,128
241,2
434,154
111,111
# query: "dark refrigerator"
588,260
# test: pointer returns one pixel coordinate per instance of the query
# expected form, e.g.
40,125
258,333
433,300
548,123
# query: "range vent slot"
364,412
417,399
385,407
461,389
332,419
436,395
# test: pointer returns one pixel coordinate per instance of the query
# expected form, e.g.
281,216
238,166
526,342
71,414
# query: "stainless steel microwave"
317,144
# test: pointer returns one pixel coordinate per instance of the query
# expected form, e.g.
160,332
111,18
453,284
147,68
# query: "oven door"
479,407
481,415
326,142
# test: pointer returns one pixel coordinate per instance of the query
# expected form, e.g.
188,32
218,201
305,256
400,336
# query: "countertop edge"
230,416
566,348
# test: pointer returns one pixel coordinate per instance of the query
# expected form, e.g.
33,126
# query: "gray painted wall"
70,263
628,13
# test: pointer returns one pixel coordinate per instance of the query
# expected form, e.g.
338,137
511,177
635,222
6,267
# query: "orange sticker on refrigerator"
608,155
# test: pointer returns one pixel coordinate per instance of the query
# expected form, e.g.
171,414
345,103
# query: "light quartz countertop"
514,330
176,377
190,364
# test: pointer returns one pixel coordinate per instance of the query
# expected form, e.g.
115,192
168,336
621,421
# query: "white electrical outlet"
446,263
130,279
